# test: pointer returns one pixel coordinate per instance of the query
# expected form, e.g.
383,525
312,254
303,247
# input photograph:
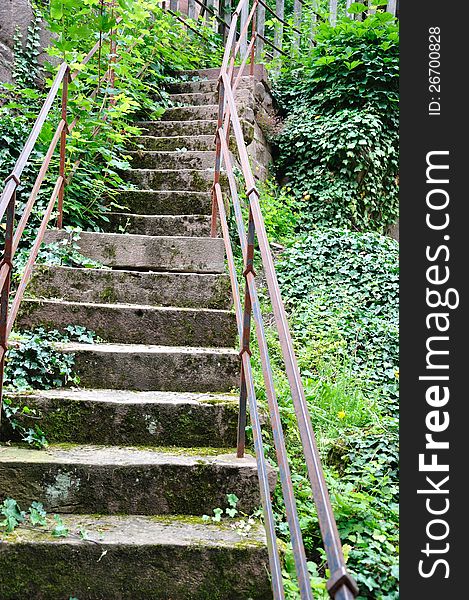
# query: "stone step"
182,254
243,97
244,101
172,160
204,85
191,113
260,72
160,225
135,558
82,479
148,367
179,128
208,126
192,142
199,98
171,179
133,323
124,418
192,290
165,202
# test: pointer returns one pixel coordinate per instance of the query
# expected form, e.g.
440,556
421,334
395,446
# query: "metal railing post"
246,337
278,34
216,179
5,271
254,39
63,146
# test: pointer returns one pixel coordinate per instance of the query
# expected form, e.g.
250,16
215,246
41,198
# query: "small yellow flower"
396,374
341,414
307,197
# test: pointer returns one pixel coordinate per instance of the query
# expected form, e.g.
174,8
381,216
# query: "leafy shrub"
343,168
339,147
35,362
352,65
151,46
345,286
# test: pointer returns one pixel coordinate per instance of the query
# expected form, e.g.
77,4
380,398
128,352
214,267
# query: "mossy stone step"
179,128
134,323
165,202
177,159
204,85
243,97
191,290
163,368
120,417
192,142
192,180
207,126
156,253
244,101
191,113
128,480
160,225
135,558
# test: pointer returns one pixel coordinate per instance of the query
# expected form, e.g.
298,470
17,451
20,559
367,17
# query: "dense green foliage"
339,145
151,47
337,157
35,362
341,291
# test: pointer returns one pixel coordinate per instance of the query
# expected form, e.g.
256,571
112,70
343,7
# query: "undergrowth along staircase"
147,437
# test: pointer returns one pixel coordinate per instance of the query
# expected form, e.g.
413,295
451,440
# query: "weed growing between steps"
34,362
241,522
64,253
12,517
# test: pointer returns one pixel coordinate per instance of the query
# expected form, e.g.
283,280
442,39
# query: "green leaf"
232,500
37,514
56,9
356,8
12,513
59,530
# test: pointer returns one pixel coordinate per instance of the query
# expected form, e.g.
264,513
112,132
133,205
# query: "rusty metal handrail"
8,198
341,586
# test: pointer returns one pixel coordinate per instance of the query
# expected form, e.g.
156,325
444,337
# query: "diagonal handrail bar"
340,586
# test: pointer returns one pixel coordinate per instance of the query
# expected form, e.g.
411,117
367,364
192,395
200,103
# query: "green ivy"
151,46
341,292
339,146
34,360
343,168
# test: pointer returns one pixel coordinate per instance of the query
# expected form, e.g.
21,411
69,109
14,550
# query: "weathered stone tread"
193,290
165,368
156,253
160,225
133,323
128,480
135,558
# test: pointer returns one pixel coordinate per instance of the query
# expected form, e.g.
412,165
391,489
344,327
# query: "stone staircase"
145,447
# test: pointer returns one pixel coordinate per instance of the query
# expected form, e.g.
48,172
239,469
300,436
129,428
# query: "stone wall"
14,14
